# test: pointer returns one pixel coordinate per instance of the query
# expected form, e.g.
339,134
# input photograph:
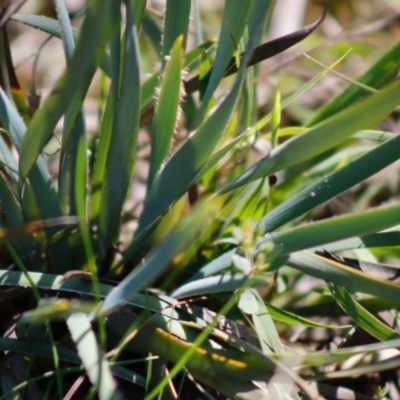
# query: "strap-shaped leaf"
360,315
71,138
166,114
234,21
334,229
217,284
382,239
123,141
176,24
342,275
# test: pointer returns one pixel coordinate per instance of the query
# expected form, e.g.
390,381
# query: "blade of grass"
342,275
392,363
319,358
106,127
122,145
363,318
334,229
176,24
101,159
251,303
218,284
375,240
166,113
289,318
71,138
235,18
138,10
215,266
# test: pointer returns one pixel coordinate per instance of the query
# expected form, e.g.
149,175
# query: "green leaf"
123,142
218,283
176,24
101,159
68,156
81,208
276,119
55,309
342,275
363,318
66,31
334,229
289,318
215,266
138,10
166,112
265,327
319,358
268,336
71,138
186,163
235,18
381,239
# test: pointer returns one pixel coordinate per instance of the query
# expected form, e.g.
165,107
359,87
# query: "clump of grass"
209,285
